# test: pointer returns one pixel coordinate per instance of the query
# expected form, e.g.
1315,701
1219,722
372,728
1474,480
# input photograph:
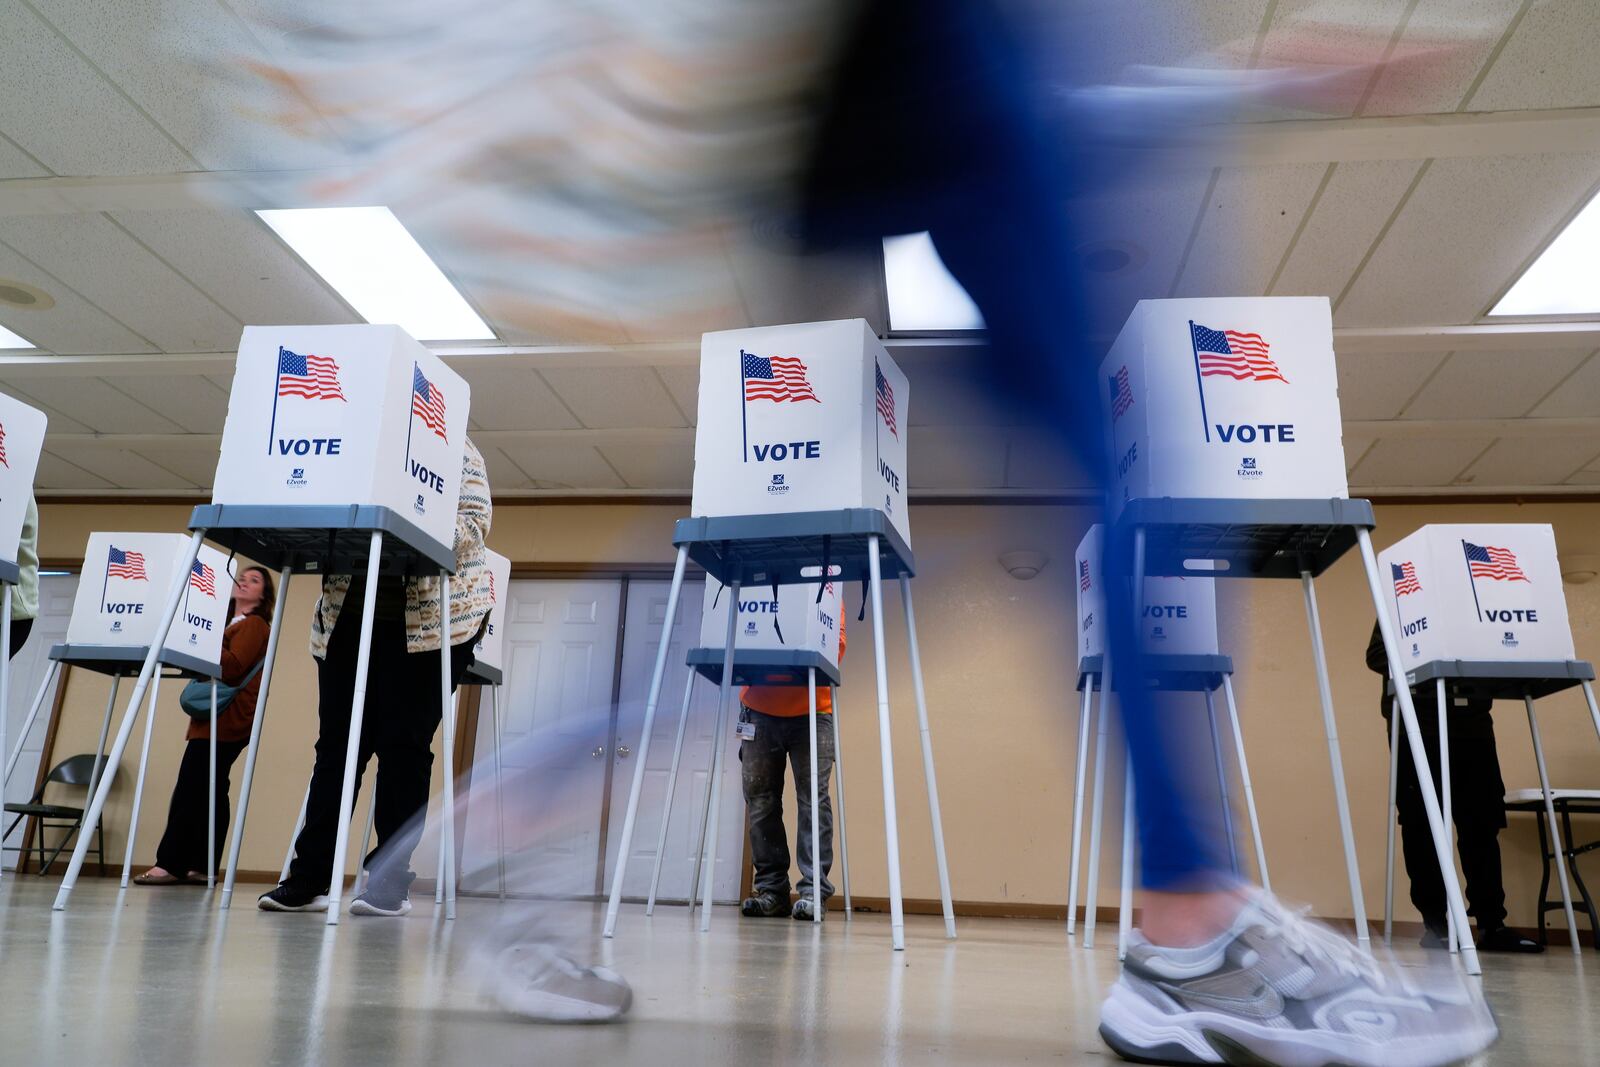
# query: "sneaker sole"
268,904
362,907
553,1008
1140,1032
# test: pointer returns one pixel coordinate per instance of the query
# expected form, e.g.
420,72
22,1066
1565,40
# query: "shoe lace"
1315,942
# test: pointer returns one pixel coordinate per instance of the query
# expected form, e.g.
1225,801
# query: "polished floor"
147,976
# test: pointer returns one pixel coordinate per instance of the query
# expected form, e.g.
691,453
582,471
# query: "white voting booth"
21,438
1479,608
1178,631
1225,442
341,454
800,474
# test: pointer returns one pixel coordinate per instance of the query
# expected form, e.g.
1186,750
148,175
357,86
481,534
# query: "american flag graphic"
427,402
125,564
885,399
1487,561
203,578
1083,575
1121,394
1405,579
781,379
310,377
1234,354
3,461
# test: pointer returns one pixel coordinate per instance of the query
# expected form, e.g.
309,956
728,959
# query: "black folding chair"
72,771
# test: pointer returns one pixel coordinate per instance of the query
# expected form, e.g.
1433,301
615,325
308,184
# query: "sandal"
151,878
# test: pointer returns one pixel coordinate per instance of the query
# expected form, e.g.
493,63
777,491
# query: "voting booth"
21,438
124,579
488,655
341,454
1481,612
800,476
1226,460
1178,632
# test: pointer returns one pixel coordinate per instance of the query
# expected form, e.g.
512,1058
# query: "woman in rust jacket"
181,856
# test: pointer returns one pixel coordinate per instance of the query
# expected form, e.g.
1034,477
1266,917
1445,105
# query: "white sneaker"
537,982
1277,990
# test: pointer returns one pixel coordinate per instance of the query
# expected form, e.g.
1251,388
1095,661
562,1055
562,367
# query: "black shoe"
1505,939
381,900
289,897
765,905
1435,935
803,909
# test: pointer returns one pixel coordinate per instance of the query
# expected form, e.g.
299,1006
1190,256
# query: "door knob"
599,750
623,751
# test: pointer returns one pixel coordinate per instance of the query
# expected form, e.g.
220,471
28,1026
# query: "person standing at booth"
25,594
181,855
773,727
402,704
1477,798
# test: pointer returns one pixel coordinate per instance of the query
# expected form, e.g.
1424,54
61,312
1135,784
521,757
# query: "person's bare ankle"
1184,920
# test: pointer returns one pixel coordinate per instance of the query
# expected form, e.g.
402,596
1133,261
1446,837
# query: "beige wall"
999,680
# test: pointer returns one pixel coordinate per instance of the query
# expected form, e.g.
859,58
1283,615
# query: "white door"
647,609
27,673
560,664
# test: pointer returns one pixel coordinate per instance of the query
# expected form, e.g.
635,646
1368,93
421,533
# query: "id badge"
746,731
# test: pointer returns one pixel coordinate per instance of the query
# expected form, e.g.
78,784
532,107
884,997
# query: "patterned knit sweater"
469,586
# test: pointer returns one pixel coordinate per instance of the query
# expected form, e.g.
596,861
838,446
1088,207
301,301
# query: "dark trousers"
1477,798
183,846
401,714
779,739
20,629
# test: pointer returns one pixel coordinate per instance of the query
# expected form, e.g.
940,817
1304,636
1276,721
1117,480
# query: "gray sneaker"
803,909
1277,990
536,981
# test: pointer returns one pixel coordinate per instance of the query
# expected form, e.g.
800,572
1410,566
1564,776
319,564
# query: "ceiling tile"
98,406
60,422
234,259
98,259
951,396
15,163
195,462
607,398
1247,224
514,400
1589,476
1352,210
1549,61
1492,385
1302,26
557,466
1524,461
1150,217
190,400
73,326
123,468
1463,236
1376,385
66,114
1577,397
1355,449
653,467
684,385
503,474
1472,28
1405,463
956,460
1035,461
56,474
777,287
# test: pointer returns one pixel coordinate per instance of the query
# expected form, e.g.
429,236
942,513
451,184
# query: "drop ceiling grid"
59,474
59,422
94,403
609,398
1492,385
650,467
1578,396
1469,224
101,260
1379,385
122,467
1423,462
1474,32
558,466
1531,461
39,69
18,162
1249,220
191,401
1548,63
76,325
515,400
1342,226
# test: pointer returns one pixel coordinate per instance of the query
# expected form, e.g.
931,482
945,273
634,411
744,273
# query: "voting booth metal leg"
816,816
358,707
254,746
1588,696
1224,791
99,765
299,824
499,790
138,788
637,786
1452,934
50,674
891,821
838,807
672,788
927,762
1085,713
1244,778
1419,756
1102,739
447,835
1388,849
1555,831
366,838
211,808
1125,905
102,790
719,744
1335,760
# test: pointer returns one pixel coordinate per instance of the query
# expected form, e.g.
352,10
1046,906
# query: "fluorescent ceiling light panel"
1565,279
923,295
11,340
379,269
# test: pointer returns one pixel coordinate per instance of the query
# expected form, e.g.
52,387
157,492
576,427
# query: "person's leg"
227,754
20,629
1478,807
183,846
800,761
761,760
